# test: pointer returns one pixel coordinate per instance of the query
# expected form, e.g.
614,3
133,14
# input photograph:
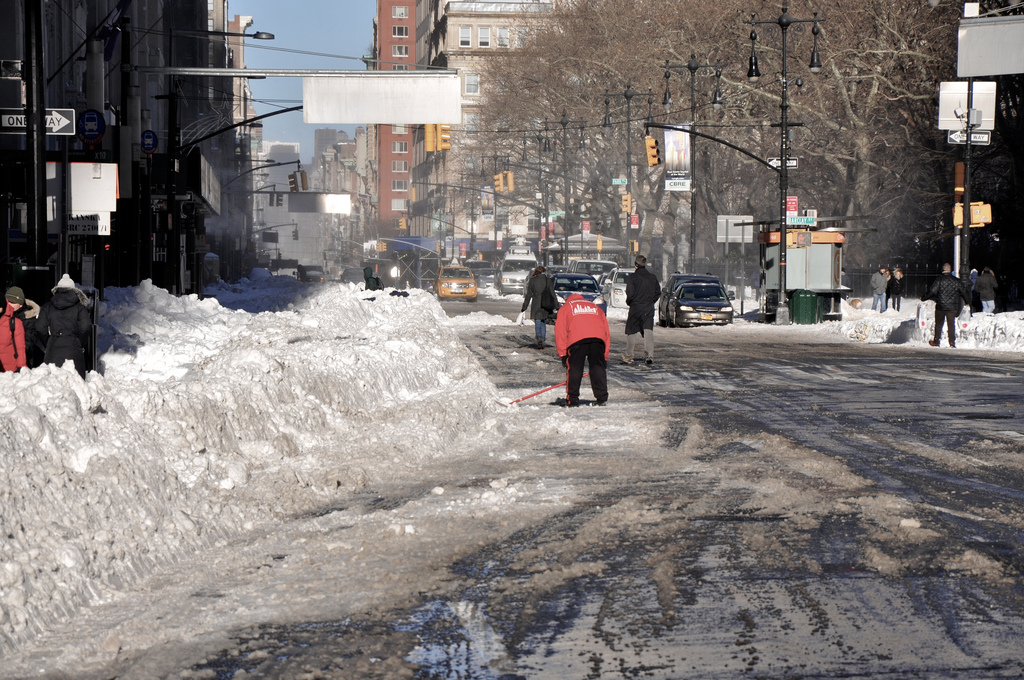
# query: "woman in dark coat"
63,325
895,288
535,298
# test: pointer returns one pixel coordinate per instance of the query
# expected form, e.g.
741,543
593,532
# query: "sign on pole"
58,121
791,163
982,137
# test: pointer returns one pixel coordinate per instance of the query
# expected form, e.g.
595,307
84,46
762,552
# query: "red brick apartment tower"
396,51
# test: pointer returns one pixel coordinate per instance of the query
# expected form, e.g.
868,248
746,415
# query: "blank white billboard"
385,98
990,46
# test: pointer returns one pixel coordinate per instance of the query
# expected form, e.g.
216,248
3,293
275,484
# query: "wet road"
809,508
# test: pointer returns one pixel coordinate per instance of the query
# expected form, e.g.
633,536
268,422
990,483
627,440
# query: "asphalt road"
760,503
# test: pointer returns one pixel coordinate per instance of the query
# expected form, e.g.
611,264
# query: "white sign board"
735,228
953,99
323,204
383,97
990,46
93,188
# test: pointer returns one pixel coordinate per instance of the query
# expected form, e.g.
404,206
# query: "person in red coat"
582,336
12,332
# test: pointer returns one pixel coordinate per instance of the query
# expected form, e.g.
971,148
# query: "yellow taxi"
456,282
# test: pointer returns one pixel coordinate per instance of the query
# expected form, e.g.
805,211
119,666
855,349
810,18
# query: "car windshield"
459,273
701,291
620,277
580,285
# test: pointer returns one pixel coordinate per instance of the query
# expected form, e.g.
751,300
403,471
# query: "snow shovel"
546,389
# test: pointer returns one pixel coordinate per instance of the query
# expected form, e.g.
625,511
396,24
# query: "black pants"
592,350
949,316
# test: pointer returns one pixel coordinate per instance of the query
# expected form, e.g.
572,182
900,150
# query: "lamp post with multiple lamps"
565,122
784,21
628,95
694,67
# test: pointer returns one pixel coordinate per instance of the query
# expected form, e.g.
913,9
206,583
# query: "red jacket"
12,342
578,320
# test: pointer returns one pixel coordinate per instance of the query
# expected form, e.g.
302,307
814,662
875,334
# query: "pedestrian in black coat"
642,293
63,325
950,295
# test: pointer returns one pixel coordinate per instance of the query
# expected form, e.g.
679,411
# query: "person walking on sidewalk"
894,289
541,301
986,286
879,280
642,293
950,295
582,336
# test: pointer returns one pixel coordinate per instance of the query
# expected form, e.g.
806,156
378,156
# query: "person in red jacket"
12,332
581,336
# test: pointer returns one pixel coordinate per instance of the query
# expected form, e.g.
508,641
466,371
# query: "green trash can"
805,307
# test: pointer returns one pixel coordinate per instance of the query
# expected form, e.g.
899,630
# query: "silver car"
513,273
615,287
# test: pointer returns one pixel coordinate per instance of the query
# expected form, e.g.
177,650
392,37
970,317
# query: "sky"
215,417
330,27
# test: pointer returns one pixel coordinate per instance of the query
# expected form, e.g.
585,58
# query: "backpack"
548,301
374,283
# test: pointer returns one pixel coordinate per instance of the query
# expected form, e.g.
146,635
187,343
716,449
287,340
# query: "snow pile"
1003,332
208,421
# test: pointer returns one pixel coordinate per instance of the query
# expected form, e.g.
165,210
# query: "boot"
540,344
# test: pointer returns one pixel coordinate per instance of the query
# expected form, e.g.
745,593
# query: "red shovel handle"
546,389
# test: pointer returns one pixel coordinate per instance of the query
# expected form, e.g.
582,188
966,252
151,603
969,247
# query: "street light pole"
565,122
694,67
628,95
784,21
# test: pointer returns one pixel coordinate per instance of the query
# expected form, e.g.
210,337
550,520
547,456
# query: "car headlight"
685,308
726,309
599,300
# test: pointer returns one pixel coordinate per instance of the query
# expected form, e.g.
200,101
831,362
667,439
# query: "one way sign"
58,121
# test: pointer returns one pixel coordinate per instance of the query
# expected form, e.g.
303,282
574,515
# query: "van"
596,268
514,272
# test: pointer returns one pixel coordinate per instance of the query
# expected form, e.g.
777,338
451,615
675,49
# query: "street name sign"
618,181
982,137
791,163
58,121
802,220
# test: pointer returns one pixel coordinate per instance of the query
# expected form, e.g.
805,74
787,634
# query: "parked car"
513,273
456,283
596,268
310,273
483,271
352,275
614,286
583,284
670,285
698,300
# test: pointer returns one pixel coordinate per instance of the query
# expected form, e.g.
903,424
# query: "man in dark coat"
642,293
950,295
63,325
372,281
541,301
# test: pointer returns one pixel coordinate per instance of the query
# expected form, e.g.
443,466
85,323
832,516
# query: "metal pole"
692,66
35,133
961,265
565,180
782,310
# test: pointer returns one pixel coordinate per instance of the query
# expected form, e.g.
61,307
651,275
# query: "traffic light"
653,152
981,214
634,246
499,182
510,181
293,182
444,137
958,180
303,180
295,234
429,133
403,224
627,203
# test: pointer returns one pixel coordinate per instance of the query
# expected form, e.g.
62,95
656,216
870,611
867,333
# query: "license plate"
706,317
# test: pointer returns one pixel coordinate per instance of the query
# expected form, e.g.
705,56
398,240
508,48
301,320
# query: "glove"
565,361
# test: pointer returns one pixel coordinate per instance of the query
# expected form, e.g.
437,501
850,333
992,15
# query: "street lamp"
694,67
565,122
628,95
784,21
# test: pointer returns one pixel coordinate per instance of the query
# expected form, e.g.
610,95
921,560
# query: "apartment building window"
400,129
521,36
399,166
399,50
400,12
465,36
471,121
399,31
399,204
399,185
484,36
502,37
399,67
472,83
399,147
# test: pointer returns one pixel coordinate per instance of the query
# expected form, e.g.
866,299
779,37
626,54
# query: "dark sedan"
583,284
697,302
